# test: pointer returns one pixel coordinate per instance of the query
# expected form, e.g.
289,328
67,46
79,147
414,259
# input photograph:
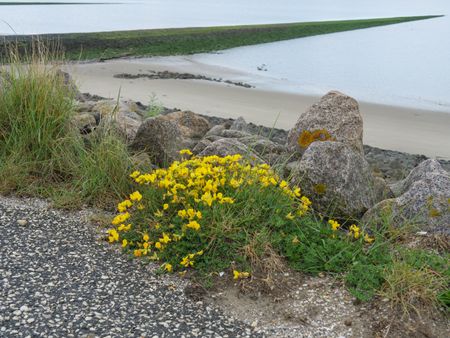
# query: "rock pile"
323,153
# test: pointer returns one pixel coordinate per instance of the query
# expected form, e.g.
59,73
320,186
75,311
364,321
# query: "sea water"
405,64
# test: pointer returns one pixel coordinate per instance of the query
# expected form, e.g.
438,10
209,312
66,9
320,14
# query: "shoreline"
404,129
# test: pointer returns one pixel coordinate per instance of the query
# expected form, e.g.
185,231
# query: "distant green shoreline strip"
179,41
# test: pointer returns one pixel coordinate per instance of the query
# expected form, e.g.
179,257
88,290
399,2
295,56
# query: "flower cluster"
166,219
353,231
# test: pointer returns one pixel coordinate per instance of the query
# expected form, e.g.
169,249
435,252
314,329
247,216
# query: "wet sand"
408,130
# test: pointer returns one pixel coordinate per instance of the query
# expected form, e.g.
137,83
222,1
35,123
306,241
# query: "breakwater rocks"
166,75
323,153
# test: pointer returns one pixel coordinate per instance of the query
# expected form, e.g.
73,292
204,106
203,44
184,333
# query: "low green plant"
212,213
154,108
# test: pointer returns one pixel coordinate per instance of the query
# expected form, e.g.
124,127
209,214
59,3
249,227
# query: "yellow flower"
135,174
334,225
238,275
165,238
124,227
185,151
146,237
113,235
368,239
165,206
207,198
137,253
120,218
124,243
136,196
355,229
158,245
182,213
168,267
290,216
186,261
283,184
123,206
193,225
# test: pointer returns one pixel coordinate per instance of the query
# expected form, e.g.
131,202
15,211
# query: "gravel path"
58,279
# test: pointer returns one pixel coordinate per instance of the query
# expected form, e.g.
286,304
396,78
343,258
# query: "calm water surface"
406,64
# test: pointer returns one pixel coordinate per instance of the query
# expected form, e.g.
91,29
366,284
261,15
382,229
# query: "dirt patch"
308,306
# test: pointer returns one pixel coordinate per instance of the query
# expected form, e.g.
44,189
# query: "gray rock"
124,115
191,125
216,130
84,122
262,145
201,145
160,138
239,124
423,200
337,179
232,133
230,146
70,84
338,115
85,106
427,170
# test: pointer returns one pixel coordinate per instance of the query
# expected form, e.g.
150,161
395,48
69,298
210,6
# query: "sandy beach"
396,128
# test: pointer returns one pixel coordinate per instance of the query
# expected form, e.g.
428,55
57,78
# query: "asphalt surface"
59,279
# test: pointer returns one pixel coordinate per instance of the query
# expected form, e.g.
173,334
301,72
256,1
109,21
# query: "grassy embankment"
179,41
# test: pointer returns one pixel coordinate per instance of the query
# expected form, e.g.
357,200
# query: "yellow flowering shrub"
201,212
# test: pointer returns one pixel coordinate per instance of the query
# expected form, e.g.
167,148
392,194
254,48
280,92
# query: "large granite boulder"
160,138
335,117
423,200
337,179
192,127
163,136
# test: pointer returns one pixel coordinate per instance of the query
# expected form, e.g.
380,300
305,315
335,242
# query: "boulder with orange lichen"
336,117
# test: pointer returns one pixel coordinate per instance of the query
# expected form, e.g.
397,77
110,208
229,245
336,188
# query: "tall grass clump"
36,107
41,152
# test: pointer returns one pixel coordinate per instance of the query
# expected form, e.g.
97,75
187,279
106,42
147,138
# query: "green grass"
41,153
179,41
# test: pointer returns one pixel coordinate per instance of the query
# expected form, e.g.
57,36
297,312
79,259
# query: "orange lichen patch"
307,137
321,135
320,189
